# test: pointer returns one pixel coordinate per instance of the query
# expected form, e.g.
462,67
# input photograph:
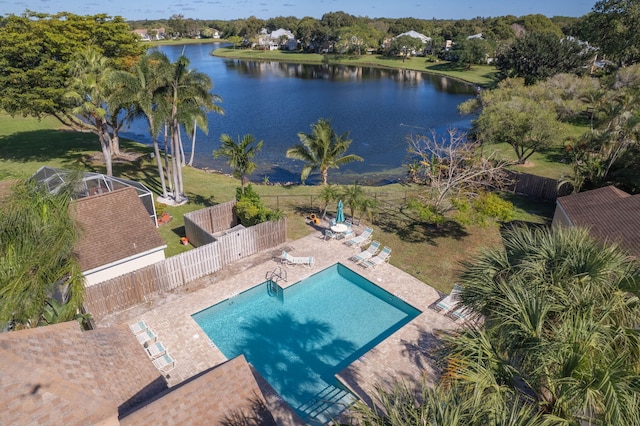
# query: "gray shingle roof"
611,215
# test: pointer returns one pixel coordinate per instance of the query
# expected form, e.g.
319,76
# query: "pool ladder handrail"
277,273
272,281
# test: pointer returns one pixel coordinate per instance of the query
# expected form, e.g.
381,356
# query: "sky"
264,9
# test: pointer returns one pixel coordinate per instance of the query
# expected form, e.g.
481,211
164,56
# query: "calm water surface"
274,101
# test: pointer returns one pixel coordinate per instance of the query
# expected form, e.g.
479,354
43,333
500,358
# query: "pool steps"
326,405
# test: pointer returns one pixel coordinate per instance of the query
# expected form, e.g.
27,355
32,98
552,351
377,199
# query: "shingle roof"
611,215
60,375
226,394
116,226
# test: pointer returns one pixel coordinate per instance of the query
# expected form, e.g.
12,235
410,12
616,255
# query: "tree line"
609,26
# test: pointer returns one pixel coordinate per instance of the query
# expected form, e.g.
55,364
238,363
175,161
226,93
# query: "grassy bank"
481,75
429,253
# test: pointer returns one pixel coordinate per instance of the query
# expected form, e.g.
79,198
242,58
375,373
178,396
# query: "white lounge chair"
146,337
156,350
450,302
138,327
366,254
363,238
379,259
164,363
289,260
462,313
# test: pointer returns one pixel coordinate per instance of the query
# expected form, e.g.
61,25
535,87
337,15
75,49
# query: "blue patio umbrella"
340,213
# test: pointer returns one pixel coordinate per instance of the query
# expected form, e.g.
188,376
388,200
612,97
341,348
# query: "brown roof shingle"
611,215
61,375
226,394
115,226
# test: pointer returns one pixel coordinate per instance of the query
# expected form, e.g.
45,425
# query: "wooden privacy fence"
537,186
136,287
201,225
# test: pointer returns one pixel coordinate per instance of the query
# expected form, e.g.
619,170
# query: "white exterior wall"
125,266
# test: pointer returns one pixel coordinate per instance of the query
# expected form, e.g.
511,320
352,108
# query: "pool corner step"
326,405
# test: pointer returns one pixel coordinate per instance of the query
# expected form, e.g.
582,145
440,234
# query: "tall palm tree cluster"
556,341
169,95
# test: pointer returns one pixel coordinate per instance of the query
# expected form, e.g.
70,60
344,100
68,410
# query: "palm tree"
37,262
441,405
357,199
184,100
89,92
322,150
559,313
328,194
139,88
239,155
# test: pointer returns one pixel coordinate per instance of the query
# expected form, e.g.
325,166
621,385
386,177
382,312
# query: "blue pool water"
300,337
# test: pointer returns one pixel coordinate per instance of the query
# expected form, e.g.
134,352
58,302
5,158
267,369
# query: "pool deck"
402,356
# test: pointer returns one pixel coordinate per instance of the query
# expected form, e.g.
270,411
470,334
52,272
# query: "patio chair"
450,301
146,337
164,363
349,232
363,238
366,254
328,235
379,259
289,260
462,313
138,327
156,350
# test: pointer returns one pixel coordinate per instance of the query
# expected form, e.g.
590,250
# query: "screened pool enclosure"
92,184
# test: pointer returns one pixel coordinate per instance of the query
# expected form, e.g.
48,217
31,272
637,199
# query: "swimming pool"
300,337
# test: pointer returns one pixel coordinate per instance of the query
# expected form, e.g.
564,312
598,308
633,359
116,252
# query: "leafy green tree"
287,22
612,26
321,150
37,261
306,31
404,45
538,56
559,330
521,122
239,155
36,53
251,27
472,52
235,41
358,38
538,23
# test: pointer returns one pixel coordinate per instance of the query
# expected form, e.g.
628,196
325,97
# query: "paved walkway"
403,355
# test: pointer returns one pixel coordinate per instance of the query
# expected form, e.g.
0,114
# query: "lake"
275,101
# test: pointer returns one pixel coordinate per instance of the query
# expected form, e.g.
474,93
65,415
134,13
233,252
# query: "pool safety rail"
272,277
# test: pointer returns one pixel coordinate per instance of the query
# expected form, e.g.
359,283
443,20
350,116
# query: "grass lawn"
431,254
482,75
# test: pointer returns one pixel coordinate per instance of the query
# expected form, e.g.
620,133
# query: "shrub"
250,210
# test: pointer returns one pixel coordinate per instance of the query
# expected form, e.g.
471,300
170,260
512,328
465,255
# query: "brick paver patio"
403,355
